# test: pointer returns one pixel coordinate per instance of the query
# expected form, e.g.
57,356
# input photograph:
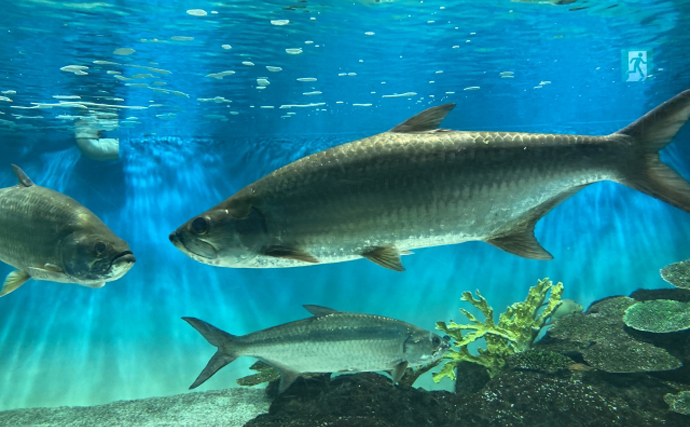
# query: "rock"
510,399
470,377
228,408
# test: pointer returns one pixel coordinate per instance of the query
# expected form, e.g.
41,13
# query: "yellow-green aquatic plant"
515,331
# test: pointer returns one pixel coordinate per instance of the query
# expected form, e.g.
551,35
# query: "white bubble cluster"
197,12
400,95
123,51
76,69
220,75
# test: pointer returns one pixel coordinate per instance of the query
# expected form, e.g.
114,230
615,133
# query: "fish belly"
345,342
420,190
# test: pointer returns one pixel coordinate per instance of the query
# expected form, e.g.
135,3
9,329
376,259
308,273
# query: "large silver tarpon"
49,236
417,186
330,341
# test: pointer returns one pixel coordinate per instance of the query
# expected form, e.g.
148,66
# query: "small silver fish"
330,341
418,186
49,236
566,307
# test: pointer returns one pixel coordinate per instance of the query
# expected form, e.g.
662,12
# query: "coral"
679,403
540,361
515,331
265,373
601,338
658,316
677,274
628,355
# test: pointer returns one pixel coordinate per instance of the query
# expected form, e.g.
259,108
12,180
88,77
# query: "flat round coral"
658,316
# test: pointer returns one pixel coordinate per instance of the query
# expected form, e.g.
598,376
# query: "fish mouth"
126,257
119,265
123,260
194,246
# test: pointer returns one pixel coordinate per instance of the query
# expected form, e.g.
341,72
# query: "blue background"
69,345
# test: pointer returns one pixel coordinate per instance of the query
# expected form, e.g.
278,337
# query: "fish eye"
100,248
436,341
199,225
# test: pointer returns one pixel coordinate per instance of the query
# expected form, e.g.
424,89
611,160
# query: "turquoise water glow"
194,144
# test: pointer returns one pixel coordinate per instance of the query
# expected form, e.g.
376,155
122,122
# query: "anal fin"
385,256
14,280
398,372
287,377
297,254
520,240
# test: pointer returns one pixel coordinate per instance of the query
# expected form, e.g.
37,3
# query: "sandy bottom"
232,407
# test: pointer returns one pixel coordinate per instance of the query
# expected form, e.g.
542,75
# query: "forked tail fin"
652,132
218,338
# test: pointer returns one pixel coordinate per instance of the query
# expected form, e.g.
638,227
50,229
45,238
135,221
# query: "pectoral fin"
385,256
14,280
52,267
48,272
398,371
297,254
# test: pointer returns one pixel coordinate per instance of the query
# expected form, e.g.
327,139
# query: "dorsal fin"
317,310
23,179
425,121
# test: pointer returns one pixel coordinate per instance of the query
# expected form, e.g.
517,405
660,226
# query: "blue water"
182,152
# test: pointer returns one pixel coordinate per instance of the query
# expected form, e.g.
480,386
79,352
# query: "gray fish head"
95,256
217,237
423,347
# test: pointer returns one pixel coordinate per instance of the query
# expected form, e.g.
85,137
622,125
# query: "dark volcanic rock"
511,399
356,400
470,377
